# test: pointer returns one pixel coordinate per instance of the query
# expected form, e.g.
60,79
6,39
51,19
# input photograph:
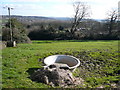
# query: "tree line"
88,29
81,28
77,28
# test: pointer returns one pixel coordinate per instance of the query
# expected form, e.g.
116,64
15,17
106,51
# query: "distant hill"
62,18
31,19
28,19
36,17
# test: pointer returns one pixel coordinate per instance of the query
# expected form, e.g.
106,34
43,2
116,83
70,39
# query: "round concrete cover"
71,61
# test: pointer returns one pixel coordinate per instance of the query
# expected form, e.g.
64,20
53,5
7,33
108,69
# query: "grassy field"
100,65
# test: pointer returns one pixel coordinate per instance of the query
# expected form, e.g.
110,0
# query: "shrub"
18,32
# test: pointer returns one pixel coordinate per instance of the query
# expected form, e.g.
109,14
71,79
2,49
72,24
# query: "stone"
58,65
11,44
101,86
56,75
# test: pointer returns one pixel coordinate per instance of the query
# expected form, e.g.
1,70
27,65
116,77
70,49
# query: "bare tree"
112,18
81,11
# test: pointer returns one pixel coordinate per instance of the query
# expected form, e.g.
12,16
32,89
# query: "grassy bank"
99,62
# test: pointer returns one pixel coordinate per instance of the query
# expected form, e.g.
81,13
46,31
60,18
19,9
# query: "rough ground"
56,75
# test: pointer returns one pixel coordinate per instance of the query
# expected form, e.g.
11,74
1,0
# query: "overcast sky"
57,8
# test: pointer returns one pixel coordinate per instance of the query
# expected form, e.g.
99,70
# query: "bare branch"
112,17
81,11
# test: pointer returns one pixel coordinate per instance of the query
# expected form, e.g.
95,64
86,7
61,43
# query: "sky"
57,8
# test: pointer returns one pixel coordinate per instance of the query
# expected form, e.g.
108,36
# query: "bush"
18,32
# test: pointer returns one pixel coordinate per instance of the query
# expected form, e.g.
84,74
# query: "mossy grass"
99,62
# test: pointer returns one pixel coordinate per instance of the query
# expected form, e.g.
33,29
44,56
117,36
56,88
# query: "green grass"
99,62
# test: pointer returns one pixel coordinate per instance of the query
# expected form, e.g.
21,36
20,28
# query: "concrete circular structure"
71,61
